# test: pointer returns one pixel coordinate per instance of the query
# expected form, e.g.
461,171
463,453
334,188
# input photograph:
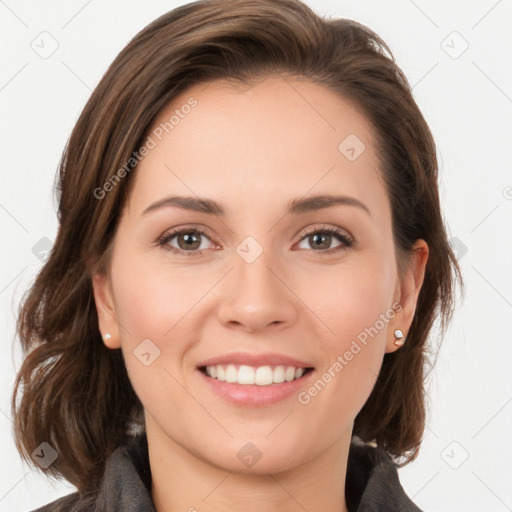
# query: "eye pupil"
189,239
322,235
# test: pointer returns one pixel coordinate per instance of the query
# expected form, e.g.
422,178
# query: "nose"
256,296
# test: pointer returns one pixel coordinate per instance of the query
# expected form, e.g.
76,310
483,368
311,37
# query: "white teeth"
261,375
278,376
231,373
245,375
290,374
299,372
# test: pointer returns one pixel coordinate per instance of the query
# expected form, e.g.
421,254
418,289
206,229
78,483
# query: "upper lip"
246,358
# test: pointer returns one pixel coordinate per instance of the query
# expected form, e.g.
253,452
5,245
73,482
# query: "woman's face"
255,274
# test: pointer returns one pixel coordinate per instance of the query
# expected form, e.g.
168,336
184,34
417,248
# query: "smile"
251,375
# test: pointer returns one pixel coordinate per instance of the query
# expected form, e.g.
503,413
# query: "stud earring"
107,336
399,337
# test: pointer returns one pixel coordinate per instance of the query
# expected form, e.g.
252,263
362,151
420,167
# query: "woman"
250,258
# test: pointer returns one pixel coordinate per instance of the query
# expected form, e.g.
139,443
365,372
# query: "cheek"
356,306
151,299
352,297
152,306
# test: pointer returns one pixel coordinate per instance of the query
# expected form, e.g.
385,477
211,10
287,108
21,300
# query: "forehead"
279,137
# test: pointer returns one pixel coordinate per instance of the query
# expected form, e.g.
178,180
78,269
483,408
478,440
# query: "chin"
257,457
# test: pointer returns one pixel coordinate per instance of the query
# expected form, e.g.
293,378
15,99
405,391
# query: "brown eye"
320,240
188,241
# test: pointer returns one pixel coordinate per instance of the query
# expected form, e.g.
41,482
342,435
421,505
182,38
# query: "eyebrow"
296,206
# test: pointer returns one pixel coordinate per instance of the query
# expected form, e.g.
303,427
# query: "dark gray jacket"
372,484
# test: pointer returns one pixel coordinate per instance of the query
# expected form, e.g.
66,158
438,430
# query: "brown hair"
74,393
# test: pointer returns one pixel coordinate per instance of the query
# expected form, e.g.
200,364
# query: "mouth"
246,375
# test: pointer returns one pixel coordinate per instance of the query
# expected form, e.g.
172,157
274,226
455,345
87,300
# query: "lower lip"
250,395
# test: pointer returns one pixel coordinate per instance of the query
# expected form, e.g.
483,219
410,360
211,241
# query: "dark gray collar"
372,483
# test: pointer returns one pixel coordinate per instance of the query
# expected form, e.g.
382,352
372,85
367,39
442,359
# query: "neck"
184,481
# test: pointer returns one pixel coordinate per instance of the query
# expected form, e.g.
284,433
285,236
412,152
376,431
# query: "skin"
253,149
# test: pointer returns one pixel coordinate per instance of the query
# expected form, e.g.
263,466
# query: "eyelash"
163,241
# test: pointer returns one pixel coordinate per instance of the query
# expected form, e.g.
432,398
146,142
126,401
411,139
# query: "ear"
407,292
107,318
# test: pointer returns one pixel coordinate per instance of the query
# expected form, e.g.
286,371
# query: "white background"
467,102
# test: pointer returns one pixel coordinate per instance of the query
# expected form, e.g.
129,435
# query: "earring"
399,337
107,336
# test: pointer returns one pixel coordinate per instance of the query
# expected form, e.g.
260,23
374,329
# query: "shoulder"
372,482
126,483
